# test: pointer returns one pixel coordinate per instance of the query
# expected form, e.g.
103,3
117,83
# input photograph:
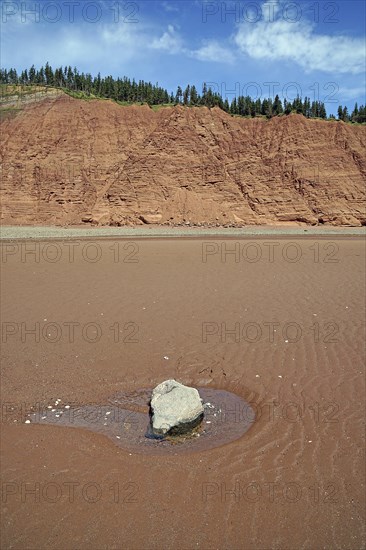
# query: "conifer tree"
234,107
186,95
48,75
277,106
194,95
32,74
178,95
287,107
204,94
322,111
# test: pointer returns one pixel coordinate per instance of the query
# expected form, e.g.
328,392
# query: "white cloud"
210,50
170,41
280,40
351,93
92,45
213,51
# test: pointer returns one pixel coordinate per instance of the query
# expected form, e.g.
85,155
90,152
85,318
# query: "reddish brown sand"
294,480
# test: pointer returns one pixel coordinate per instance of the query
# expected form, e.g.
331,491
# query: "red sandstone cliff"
69,161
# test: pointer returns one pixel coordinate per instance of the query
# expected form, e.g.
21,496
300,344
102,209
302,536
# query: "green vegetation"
8,112
158,107
80,94
7,90
127,92
358,114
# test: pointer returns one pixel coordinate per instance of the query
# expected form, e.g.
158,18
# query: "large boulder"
175,408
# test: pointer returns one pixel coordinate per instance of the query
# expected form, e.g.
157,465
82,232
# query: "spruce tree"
345,116
277,106
354,114
234,107
178,95
194,95
322,111
204,94
32,74
48,75
287,107
264,107
186,95
361,117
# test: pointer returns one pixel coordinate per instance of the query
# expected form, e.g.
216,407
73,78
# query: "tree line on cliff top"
127,90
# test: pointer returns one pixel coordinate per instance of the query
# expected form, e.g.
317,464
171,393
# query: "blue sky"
316,48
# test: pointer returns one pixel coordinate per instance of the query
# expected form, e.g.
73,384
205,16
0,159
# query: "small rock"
175,408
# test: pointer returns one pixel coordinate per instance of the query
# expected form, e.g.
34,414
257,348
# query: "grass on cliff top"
8,90
82,95
162,106
8,112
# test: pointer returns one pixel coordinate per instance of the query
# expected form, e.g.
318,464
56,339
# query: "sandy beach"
277,319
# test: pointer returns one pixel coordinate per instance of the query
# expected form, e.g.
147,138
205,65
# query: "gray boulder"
175,408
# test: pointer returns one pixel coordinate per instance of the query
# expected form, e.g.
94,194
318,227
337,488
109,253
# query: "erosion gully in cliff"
69,161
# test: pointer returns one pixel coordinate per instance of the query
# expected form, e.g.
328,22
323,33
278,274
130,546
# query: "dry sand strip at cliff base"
55,232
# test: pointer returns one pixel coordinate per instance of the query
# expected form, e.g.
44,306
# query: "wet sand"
277,321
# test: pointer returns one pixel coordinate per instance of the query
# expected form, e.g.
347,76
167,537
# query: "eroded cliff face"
68,161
